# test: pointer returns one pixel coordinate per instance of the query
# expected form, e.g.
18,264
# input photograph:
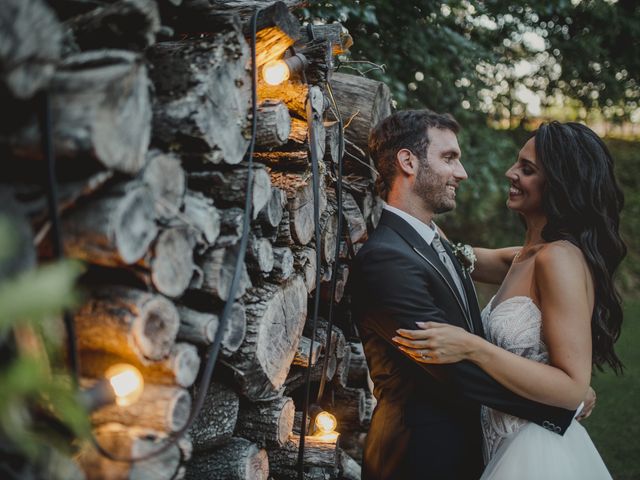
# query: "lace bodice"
515,325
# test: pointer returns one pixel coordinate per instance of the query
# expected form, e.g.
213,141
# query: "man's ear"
406,161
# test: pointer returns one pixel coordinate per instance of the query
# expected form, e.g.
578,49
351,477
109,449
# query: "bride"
556,313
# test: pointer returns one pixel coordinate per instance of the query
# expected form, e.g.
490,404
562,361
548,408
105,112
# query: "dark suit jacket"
426,424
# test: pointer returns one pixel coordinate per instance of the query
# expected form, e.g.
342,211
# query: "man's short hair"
404,129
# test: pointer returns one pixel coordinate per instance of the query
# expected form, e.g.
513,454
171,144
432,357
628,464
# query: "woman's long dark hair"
582,201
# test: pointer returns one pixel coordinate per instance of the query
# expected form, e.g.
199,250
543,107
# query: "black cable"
336,259
214,348
316,297
46,135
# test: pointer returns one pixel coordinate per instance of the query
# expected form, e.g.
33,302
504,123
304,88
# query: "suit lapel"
427,253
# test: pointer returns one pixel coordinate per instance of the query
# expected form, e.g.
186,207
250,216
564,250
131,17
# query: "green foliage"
614,425
39,410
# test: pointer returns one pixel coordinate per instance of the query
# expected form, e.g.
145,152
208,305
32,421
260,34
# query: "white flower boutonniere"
466,257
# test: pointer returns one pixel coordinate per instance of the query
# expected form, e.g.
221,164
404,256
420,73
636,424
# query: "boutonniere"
466,257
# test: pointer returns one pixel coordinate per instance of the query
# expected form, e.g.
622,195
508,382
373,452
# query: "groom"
426,424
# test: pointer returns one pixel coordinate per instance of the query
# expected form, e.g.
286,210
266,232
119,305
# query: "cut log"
203,216
282,264
31,39
267,423
349,407
358,370
129,442
260,255
329,234
218,266
302,355
161,408
363,103
299,192
126,24
318,452
271,214
128,323
113,229
100,109
167,182
299,131
355,222
217,420
229,188
342,273
305,264
343,354
348,467
179,368
238,459
203,94
231,227
274,124
319,54
200,328
275,318
293,93
334,32
171,262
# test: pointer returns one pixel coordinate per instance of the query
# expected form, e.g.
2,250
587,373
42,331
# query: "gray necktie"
446,260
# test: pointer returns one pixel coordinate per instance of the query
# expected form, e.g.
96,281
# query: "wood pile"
151,120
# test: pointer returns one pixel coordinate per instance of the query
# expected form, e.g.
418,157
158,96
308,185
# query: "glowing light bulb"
127,383
275,72
326,423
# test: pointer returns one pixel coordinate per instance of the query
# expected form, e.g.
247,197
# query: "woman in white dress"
556,314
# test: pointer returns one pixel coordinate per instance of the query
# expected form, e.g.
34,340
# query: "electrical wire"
336,258
46,135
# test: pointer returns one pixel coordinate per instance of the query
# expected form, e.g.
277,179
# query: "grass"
614,425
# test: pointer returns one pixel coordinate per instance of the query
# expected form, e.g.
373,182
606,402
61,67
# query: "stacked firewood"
151,120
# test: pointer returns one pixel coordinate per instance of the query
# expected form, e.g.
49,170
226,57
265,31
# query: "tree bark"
334,32
203,94
305,263
201,214
31,40
217,420
229,188
129,442
349,407
267,423
302,355
260,255
342,272
271,214
299,192
171,262
274,124
112,229
200,328
218,266
317,452
365,102
100,110
127,322
282,264
238,459
167,182
126,24
161,408
275,318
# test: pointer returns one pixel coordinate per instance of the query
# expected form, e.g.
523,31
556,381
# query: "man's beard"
433,193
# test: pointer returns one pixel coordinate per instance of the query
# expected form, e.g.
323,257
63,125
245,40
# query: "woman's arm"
564,287
492,265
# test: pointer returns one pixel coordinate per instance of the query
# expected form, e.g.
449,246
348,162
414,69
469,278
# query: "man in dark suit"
426,424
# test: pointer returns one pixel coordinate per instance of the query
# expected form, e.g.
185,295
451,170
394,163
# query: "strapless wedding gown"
515,448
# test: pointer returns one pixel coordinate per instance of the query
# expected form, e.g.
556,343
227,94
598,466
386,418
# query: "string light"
123,385
277,71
